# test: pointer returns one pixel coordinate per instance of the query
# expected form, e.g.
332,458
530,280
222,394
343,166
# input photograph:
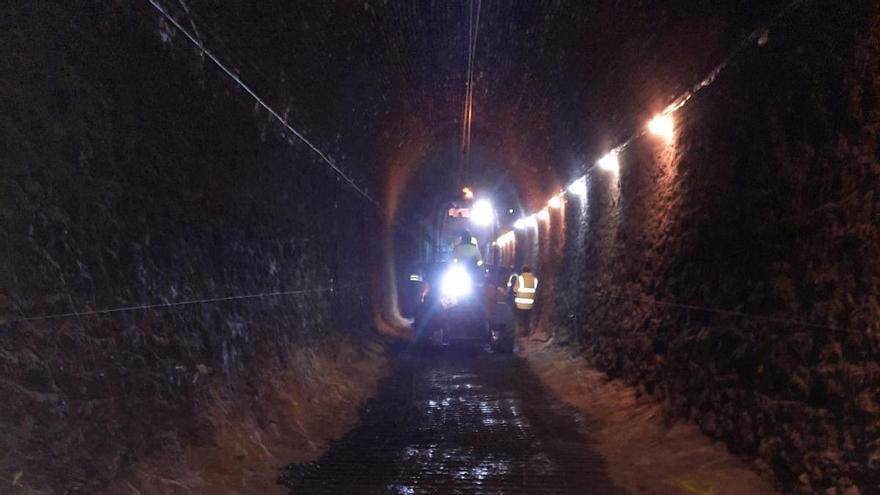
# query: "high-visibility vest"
524,288
468,250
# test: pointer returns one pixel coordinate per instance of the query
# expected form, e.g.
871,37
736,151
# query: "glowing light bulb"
555,202
531,221
610,162
579,188
520,223
544,215
662,125
482,213
468,194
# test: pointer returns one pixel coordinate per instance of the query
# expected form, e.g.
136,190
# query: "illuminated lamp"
662,126
610,162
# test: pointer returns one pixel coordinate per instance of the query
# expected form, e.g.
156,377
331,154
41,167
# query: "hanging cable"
468,112
196,40
167,305
467,94
244,60
323,156
207,34
727,312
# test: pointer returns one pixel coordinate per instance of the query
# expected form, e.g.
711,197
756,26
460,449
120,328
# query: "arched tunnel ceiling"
380,85
492,174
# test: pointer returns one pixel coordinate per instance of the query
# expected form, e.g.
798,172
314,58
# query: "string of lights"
661,125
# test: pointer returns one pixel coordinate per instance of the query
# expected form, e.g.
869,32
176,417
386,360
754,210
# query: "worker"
525,287
511,292
466,249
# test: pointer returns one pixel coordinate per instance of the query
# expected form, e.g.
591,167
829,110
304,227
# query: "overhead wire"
299,135
166,305
196,39
756,36
206,31
468,112
727,312
476,30
467,94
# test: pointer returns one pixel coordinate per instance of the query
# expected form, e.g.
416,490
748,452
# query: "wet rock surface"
137,173
132,177
460,421
765,204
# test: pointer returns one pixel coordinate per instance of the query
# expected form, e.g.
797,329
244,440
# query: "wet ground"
460,421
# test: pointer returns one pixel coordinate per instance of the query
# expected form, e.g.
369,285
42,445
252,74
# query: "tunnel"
437,247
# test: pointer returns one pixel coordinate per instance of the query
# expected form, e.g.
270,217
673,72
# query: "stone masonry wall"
765,204
133,173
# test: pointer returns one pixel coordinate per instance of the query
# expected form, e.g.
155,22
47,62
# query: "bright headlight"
482,213
456,282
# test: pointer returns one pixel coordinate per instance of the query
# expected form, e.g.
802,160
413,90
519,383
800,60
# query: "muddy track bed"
460,421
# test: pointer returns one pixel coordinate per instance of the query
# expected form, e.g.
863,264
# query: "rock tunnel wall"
760,209
765,204
156,181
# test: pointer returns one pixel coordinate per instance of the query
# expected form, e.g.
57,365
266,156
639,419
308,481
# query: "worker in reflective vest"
466,250
523,287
